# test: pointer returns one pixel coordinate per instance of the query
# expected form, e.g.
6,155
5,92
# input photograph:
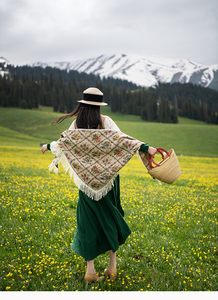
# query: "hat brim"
92,103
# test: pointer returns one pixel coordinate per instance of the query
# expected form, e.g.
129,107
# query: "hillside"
31,127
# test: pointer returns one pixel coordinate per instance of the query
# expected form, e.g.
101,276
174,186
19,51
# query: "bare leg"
111,270
91,275
113,263
90,266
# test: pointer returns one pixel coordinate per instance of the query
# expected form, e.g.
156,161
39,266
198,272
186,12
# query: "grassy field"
173,245
189,137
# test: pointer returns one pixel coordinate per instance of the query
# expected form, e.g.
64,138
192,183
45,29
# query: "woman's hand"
152,151
44,148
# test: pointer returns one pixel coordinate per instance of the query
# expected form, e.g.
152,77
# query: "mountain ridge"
143,71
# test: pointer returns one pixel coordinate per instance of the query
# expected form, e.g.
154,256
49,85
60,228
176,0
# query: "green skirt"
100,224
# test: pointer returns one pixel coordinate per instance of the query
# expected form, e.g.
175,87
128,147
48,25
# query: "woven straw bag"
168,169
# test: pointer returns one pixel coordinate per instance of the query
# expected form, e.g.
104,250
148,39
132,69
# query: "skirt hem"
100,252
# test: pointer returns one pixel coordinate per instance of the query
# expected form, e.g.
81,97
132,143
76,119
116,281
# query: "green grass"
13,138
189,137
173,245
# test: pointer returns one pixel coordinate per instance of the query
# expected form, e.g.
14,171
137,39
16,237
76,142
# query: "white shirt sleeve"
55,149
110,124
72,126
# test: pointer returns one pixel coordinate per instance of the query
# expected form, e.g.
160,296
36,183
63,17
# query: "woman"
100,224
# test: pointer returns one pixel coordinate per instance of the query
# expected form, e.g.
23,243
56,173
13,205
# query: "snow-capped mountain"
3,65
143,71
4,61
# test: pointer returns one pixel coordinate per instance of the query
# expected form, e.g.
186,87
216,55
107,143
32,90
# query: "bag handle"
160,151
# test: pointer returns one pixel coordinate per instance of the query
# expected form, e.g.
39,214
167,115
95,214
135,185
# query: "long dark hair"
88,116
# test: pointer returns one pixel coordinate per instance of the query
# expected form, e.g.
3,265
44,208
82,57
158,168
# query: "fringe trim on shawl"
95,195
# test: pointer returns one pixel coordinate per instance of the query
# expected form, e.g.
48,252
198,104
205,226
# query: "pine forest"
29,87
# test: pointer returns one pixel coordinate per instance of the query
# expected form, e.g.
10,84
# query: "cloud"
46,30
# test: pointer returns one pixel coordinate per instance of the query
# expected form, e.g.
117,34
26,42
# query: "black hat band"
93,98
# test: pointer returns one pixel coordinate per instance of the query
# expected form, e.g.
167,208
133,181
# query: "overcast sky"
67,30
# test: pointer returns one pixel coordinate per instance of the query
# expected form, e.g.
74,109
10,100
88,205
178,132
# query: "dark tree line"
65,75
30,87
143,103
191,101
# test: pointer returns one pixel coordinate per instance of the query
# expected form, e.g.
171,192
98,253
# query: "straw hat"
92,96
